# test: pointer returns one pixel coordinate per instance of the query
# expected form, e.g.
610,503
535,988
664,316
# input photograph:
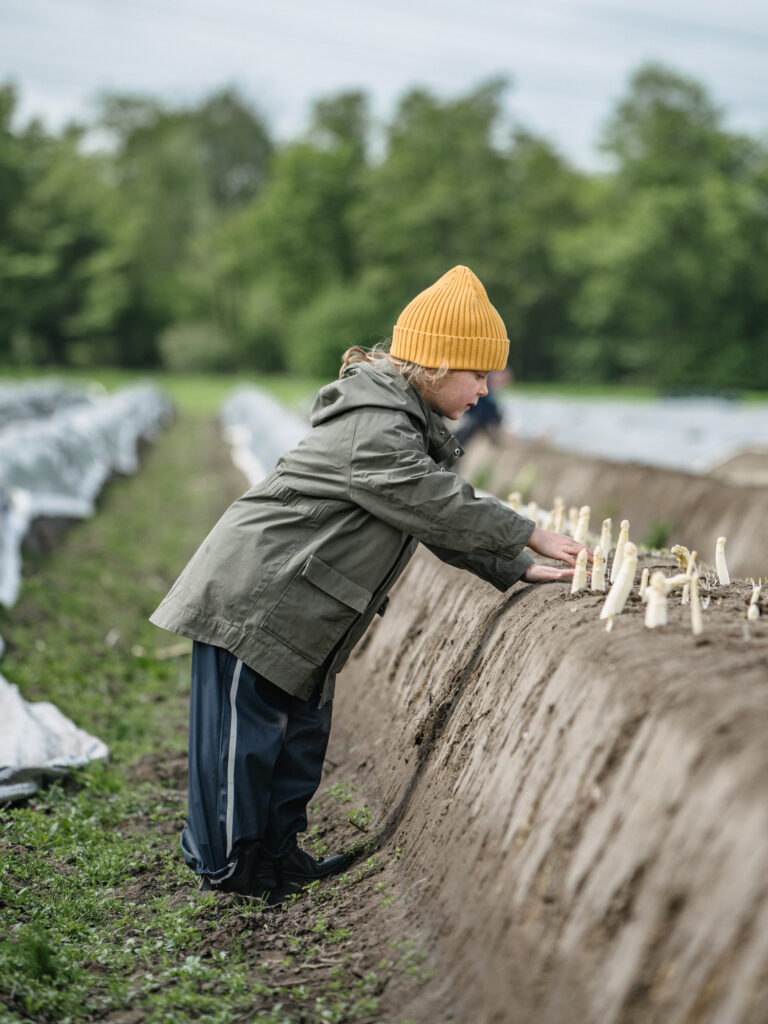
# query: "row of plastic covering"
259,429
37,743
687,434
55,465
36,399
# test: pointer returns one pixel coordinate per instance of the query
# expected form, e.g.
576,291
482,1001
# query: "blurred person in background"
486,416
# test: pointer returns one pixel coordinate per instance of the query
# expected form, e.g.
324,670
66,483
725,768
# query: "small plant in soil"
360,818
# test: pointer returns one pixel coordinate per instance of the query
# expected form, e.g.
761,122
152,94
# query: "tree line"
192,239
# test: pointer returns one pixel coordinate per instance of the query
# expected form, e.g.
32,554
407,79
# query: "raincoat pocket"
318,606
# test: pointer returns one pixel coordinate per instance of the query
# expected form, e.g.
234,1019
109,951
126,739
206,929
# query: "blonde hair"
412,373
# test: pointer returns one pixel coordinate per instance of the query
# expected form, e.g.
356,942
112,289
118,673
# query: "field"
551,823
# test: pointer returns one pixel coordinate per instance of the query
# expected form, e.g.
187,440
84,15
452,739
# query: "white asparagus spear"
573,519
558,518
753,612
697,624
620,545
532,511
579,581
513,500
582,525
656,607
689,571
605,538
619,592
722,568
643,584
598,570
676,582
682,554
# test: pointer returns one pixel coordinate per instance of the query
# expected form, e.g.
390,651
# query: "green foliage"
666,130
340,791
657,535
288,253
435,198
342,315
196,347
666,286
263,328
360,818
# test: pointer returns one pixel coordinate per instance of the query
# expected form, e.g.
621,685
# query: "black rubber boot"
254,875
297,868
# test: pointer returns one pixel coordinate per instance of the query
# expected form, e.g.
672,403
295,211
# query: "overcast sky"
568,60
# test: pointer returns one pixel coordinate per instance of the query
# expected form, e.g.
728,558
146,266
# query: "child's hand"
556,545
545,574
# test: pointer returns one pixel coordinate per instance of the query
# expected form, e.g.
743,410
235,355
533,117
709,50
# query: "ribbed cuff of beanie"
458,353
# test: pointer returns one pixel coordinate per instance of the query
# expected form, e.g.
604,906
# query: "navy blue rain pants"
255,761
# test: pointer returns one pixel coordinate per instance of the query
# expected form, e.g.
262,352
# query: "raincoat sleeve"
392,477
500,572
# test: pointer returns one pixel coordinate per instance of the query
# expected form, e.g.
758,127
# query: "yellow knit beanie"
452,323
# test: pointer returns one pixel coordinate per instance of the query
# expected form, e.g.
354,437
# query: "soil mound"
747,467
582,815
664,507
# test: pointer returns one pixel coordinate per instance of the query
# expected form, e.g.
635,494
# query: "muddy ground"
582,815
357,934
661,504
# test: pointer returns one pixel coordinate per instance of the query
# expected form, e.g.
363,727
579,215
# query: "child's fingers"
546,573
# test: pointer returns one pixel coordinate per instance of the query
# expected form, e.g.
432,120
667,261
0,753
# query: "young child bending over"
288,580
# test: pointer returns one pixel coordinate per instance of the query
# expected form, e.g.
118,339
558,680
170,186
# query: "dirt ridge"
585,816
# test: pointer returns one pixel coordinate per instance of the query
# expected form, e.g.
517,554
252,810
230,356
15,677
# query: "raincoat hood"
376,385
380,385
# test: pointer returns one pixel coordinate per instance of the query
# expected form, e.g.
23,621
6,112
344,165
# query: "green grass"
202,394
101,918
193,394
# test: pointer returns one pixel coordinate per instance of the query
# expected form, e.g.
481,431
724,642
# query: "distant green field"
194,394
202,394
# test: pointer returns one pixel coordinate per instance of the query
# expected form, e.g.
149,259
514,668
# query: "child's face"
453,394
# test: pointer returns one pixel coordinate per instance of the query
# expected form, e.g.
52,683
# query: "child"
290,577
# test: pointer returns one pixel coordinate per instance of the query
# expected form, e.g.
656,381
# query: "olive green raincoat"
293,573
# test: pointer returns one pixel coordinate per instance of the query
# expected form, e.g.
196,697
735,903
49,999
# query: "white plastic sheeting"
34,399
56,466
259,429
38,742
687,434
